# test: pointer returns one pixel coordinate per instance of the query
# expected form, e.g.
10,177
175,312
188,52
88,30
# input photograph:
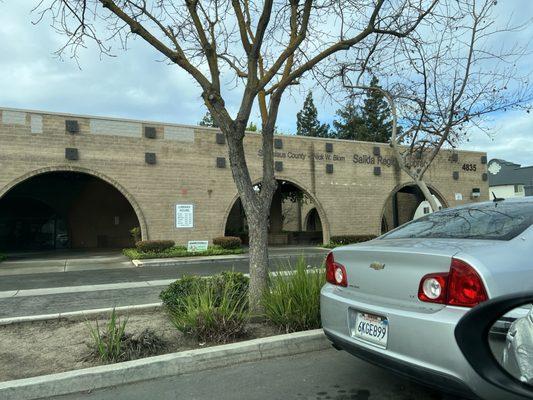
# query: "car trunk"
388,272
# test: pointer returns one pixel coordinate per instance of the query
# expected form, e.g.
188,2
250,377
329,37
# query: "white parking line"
84,288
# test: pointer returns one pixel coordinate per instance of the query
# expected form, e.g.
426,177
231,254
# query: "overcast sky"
136,84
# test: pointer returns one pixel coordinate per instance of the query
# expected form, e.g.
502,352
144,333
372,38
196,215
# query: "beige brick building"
82,181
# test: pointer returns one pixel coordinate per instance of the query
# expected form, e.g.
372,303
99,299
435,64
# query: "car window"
496,221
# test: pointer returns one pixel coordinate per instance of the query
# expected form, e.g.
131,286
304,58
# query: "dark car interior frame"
472,335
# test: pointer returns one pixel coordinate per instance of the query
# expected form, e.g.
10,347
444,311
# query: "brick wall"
350,199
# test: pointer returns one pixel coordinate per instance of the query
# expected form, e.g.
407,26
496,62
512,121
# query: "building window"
518,188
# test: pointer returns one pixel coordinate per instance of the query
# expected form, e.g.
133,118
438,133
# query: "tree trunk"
258,261
427,194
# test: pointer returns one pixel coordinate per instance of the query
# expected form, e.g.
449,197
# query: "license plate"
369,327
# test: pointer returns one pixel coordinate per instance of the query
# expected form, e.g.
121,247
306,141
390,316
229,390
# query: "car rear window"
496,221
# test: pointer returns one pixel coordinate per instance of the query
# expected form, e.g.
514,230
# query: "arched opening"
405,204
65,210
294,218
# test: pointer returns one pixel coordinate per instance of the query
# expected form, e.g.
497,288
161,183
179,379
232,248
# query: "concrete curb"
86,380
77,315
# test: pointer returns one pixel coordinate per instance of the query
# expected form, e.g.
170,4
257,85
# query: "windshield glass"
496,221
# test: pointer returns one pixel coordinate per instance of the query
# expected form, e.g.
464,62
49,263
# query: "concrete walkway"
62,261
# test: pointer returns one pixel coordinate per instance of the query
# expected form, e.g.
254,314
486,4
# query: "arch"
321,212
310,220
70,168
398,188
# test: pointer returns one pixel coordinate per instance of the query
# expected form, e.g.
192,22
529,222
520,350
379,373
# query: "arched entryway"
294,217
405,203
63,210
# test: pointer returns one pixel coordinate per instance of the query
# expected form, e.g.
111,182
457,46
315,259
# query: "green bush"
212,313
178,251
107,344
154,245
340,240
135,234
293,301
2,257
228,242
173,297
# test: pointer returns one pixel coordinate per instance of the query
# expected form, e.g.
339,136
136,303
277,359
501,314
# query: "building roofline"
209,128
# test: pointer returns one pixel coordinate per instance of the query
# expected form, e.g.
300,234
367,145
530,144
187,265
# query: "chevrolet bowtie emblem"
377,266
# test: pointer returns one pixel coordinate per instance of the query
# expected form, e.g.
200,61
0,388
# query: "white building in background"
425,208
507,179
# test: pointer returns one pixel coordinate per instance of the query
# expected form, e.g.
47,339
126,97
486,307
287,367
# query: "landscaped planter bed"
36,348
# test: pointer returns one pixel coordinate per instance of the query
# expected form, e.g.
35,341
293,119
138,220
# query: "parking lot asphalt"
89,289
321,375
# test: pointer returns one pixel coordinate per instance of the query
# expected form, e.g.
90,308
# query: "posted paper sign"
458,196
197,245
184,216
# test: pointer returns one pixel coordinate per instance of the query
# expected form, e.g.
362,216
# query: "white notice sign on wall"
458,196
184,216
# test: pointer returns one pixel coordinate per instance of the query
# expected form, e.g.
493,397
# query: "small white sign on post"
458,196
184,216
194,246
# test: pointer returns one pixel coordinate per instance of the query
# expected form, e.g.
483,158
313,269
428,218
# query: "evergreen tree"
377,115
208,120
307,123
350,123
372,122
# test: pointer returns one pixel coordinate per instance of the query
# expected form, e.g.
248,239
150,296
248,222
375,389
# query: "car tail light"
433,288
461,286
465,287
335,272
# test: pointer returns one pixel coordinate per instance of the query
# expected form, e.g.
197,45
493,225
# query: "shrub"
135,234
293,301
178,251
107,344
228,242
211,313
2,257
173,297
154,245
348,239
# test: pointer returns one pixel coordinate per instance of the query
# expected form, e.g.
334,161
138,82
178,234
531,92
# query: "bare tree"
265,47
444,80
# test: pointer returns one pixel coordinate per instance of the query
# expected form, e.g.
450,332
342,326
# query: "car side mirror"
496,338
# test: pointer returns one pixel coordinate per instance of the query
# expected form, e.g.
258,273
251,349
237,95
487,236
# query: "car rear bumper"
424,376
421,344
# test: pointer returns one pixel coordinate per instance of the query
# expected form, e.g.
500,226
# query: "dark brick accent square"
484,177
278,166
71,154
483,159
150,158
220,138
376,150
377,171
278,143
221,162
455,157
329,147
149,132
329,168
72,126
455,175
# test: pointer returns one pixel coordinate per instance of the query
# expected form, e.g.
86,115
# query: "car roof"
514,201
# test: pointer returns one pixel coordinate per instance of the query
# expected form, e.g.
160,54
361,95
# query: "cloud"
136,84
511,138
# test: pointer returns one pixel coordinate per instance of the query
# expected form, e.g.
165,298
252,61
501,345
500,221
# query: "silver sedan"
395,301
